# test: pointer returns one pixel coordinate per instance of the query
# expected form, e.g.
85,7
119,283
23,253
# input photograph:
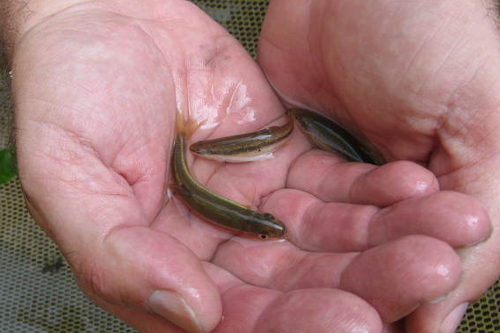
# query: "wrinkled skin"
419,79
96,87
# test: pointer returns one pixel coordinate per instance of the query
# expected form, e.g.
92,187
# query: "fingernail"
173,307
451,322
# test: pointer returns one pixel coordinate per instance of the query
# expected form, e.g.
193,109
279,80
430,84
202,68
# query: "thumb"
146,269
133,267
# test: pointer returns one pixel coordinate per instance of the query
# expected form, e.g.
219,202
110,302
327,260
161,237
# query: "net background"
36,295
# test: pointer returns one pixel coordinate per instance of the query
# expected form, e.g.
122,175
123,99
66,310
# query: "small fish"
331,137
213,207
245,147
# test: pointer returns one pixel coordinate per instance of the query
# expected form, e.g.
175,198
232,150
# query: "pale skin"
96,87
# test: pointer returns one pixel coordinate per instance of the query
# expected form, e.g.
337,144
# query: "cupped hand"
96,88
419,79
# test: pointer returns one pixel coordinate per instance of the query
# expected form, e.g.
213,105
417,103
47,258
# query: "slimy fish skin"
329,136
247,147
212,207
322,132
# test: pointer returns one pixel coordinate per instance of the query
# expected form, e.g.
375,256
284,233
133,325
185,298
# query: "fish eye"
263,236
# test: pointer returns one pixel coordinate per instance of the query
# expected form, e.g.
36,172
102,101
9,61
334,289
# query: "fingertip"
412,270
443,317
175,309
470,223
479,228
452,217
150,270
453,319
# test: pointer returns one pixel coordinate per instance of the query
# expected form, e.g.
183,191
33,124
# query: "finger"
319,310
315,225
442,317
480,271
335,180
105,234
249,309
148,270
134,266
394,277
465,154
141,321
455,218
253,310
318,226
439,275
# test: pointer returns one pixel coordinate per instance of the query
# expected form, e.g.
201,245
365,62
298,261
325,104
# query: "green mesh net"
38,293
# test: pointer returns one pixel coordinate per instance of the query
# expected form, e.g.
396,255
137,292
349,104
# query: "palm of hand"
409,77
114,91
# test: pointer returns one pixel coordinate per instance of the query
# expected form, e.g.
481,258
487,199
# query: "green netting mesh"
37,291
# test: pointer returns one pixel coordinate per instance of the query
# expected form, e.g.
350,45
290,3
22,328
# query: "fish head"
199,148
272,228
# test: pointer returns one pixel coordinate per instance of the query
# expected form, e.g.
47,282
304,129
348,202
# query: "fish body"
248,147
329,136
210,206
322,132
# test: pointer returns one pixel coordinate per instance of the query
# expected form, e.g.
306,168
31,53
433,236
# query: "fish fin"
180,122
185,126
191,127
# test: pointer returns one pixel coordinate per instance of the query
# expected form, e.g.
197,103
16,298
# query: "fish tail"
180,122
183,125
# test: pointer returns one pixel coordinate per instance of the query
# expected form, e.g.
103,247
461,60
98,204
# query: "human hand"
418,79
96,87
